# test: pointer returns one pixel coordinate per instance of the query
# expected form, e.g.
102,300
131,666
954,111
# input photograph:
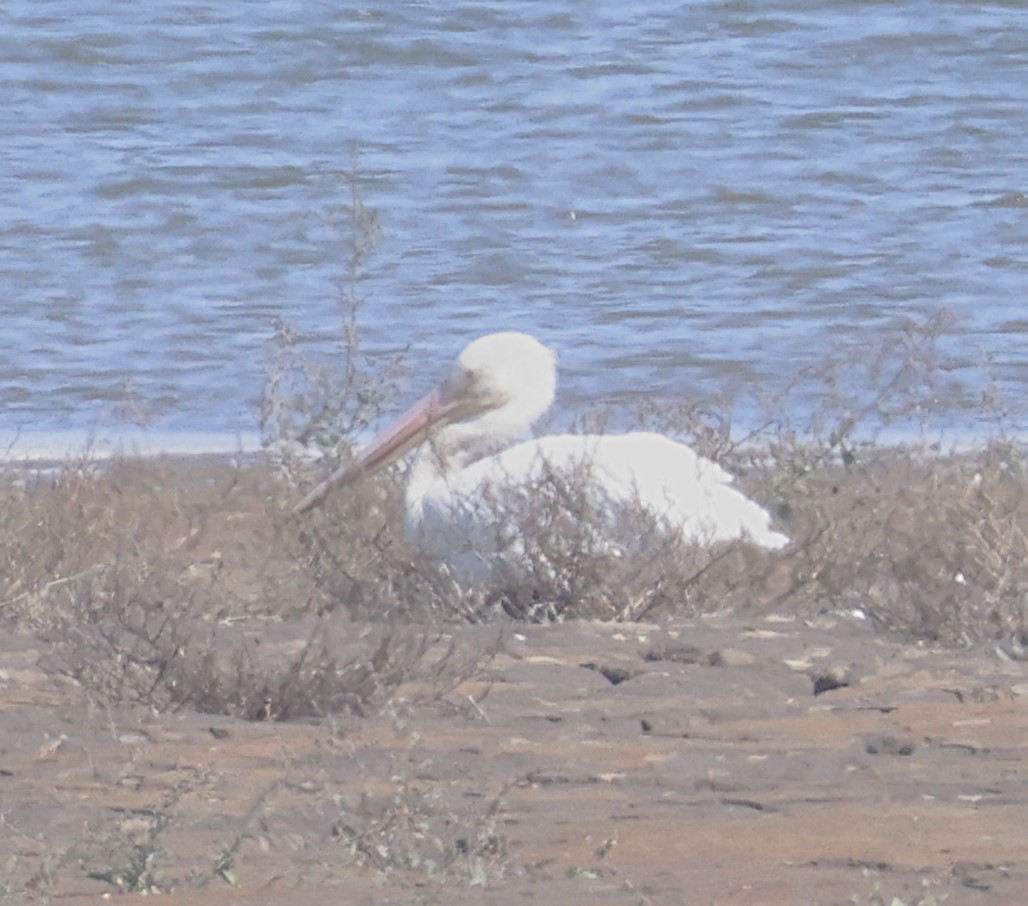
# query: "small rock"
733,657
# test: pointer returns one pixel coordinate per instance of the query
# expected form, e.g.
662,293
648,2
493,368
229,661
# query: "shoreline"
26,448
34,447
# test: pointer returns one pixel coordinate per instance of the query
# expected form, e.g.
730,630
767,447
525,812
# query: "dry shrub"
88,521
925,542
933,547
357,556
323,403
141,575
558,550
257,672
413,829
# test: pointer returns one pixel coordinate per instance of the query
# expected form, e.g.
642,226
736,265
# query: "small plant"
135,873
412,830
323,404
224,864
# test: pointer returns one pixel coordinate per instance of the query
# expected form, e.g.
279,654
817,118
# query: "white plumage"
458,487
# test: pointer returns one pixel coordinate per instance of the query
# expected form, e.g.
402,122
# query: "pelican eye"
481,386
491,398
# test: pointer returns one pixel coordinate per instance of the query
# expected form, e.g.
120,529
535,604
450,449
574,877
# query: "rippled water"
678,197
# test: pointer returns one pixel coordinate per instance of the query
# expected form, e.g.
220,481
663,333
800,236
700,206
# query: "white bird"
458,485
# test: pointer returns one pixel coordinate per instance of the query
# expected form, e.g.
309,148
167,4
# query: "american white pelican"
499,386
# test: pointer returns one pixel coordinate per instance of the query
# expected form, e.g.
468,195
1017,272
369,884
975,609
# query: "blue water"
681,199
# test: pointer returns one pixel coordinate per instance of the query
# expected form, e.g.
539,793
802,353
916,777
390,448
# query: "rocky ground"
724,759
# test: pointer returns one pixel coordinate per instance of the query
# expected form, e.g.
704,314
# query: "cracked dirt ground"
589,763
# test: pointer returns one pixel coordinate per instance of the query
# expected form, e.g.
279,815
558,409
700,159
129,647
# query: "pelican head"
500,384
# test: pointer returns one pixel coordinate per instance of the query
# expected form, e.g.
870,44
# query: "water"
679,197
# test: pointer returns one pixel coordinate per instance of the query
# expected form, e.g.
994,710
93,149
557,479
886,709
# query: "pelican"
499,386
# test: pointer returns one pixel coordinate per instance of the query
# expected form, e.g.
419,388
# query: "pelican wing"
478,511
